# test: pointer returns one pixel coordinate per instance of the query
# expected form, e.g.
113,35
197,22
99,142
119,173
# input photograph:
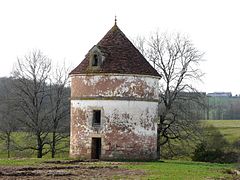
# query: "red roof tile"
121,57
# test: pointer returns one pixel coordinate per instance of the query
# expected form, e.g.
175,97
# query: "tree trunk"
39,147
8,144
53,144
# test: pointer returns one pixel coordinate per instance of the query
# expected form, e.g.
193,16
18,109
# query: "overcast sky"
67,29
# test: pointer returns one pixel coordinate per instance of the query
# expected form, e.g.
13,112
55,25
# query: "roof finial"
115,20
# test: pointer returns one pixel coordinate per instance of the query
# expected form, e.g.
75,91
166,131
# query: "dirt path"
68,171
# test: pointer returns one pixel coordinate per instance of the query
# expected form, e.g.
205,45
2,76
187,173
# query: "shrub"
213,148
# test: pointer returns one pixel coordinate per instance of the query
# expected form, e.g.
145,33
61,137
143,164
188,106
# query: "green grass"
28,161
229,128
21,162
182,170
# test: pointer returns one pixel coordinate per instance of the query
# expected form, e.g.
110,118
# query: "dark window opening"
96,117
96,148
95,60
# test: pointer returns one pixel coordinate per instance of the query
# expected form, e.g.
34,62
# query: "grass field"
183,170
229,128
167,170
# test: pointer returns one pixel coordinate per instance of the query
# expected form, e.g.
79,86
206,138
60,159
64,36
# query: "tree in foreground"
31,75
42,98
59,107
177,60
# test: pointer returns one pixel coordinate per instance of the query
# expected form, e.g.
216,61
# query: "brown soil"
64,170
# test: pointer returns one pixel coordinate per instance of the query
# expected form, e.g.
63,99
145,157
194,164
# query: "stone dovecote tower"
114,102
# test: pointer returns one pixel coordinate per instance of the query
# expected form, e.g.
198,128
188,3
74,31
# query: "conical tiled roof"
120,56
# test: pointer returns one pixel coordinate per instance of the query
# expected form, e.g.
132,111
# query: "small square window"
96,117
95,60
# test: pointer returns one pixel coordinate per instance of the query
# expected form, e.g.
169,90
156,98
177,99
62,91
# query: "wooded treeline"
221,108
216,108
212,108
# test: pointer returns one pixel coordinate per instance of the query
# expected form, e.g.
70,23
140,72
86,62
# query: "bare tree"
8,123
42,94
31,74
177,60
59,106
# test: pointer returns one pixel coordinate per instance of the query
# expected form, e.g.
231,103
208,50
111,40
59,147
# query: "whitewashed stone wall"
129,111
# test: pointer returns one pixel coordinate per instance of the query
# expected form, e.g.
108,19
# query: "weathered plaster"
123,86
128,129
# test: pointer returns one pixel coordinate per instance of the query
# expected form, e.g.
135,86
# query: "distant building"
220,94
